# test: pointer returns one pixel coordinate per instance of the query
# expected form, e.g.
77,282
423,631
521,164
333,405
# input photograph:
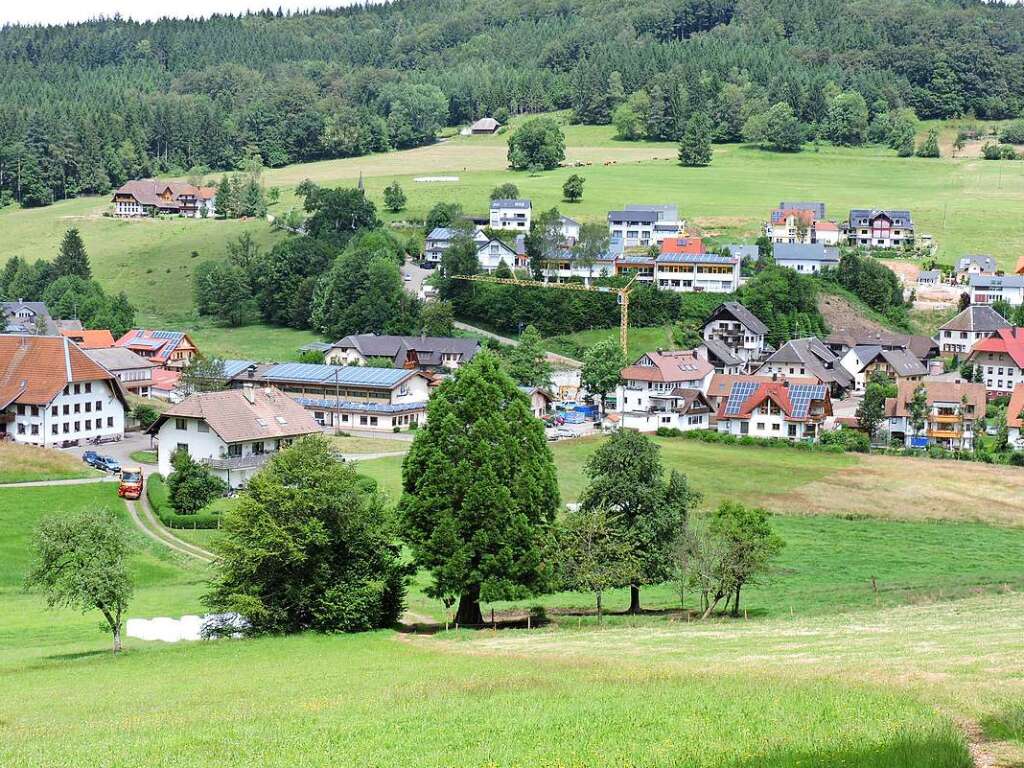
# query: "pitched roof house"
234,431
842,341
134,372
900,364
808,357
738,329
485,125
428,353
778,409
51,392
655,375
805,257
1015,418
976,265
1000,360
878,228
170,349
975,323
90,339
986,289
953,408
26,317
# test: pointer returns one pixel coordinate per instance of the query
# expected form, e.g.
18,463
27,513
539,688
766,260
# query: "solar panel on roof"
741,390
355,375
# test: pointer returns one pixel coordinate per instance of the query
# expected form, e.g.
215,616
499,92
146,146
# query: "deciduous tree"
602,368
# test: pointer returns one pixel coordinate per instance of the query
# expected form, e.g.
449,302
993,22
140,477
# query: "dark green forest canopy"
87,106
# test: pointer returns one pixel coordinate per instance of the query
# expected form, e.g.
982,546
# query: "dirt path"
150,525
552,357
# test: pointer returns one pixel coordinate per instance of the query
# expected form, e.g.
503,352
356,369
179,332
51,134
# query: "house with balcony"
424,353
26,317
985,289
924,348
721,358
234,432
878,228
801,223
808,357
648,384
778,409
977,322
738,330
147,197
493,253
898,364
515,215
953,407
640,226
999,360
684,265
173,350
135,373
440,240
348,397
975,265
51,393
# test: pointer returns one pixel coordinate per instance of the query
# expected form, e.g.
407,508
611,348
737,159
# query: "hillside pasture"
20,463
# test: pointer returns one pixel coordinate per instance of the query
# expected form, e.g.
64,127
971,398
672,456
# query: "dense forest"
84,107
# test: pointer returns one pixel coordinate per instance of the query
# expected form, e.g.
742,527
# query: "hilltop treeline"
84,107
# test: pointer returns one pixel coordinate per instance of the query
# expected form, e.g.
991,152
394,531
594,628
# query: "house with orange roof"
801,223
778,409
1015,419
52,393
665,384
169,349
999,359
90,339
953,408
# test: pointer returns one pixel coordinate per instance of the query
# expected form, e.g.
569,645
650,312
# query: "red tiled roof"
681,365
34,369
694,245
826,226
1009,341
721,383
164,379
90,339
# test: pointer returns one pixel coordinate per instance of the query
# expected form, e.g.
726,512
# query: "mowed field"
877,642
967,204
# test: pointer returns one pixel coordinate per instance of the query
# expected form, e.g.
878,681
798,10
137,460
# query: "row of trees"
313,546
86,107
67,287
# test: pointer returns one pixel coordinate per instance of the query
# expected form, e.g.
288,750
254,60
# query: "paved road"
79,481
121,450
416,275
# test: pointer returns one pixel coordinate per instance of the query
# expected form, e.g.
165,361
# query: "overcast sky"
60,11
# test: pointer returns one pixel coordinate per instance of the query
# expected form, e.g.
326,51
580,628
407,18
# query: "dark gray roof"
858,215
742,251
815,357
979,318
646,216
118,359
722,352
929,275
902,361
38,309
740,313
923,347
428,348
997,281
805,252
509,203
817,208
986,263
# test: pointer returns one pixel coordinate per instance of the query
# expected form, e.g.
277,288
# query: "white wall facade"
998,371
89,409
744,344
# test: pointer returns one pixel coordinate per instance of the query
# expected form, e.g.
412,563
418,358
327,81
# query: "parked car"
565,432
108,464
90,458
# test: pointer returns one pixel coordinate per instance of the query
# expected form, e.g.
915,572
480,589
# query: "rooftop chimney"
249,392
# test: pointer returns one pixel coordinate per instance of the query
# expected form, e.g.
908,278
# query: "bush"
1013,133
160,501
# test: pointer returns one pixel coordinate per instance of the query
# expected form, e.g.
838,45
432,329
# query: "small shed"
485,125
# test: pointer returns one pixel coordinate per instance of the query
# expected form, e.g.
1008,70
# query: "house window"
78,407
775,427
88,387
78,389
362,421
181,425
258,449
65,428
55,429
760,425
53,411
35,429
78,426
66,409
110,421
99,405
202,426
235,450
183,447
88,407
21,429
88,424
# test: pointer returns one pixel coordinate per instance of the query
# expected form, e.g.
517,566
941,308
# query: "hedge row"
159,500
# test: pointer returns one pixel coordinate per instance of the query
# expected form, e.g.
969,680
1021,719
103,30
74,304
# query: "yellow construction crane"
623,296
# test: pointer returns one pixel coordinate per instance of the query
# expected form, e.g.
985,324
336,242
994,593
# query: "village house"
485,125
425,353
567,266
999,359
233,432
644,225
440,240
738,329
511,214
986,289
649,385
929,277
135,373
166,385
801,223
1015,419
89,339
493,253
842,341
975,265
347,397
953,407
26,317
808,357
721,358
684,265
569,228
975,323
51,393
540,400
899,364
809,258
777,409
146,197
880,228
168,349
722,383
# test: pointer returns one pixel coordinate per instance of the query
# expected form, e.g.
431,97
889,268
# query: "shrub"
160,501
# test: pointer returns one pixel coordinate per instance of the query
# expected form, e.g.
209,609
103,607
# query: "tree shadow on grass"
78,655
943,749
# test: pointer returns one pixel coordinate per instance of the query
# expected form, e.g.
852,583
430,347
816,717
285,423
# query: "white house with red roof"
653,384
51,392
1000,360
778,409
803,223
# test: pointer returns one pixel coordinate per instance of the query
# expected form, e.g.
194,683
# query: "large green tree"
72,260
311,545
536,143
479,491
625,474
695,146
191,485
81,561
527,361
602,368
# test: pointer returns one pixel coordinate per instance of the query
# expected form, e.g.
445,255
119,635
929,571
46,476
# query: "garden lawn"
641,340
20,463
261,343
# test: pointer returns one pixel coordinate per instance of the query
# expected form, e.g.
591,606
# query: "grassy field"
896,682
263,343
21,463
641,340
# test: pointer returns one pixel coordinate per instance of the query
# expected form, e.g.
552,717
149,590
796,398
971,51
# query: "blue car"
107,463
90,458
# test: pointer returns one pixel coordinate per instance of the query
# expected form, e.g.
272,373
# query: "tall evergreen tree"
695,146
72,260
